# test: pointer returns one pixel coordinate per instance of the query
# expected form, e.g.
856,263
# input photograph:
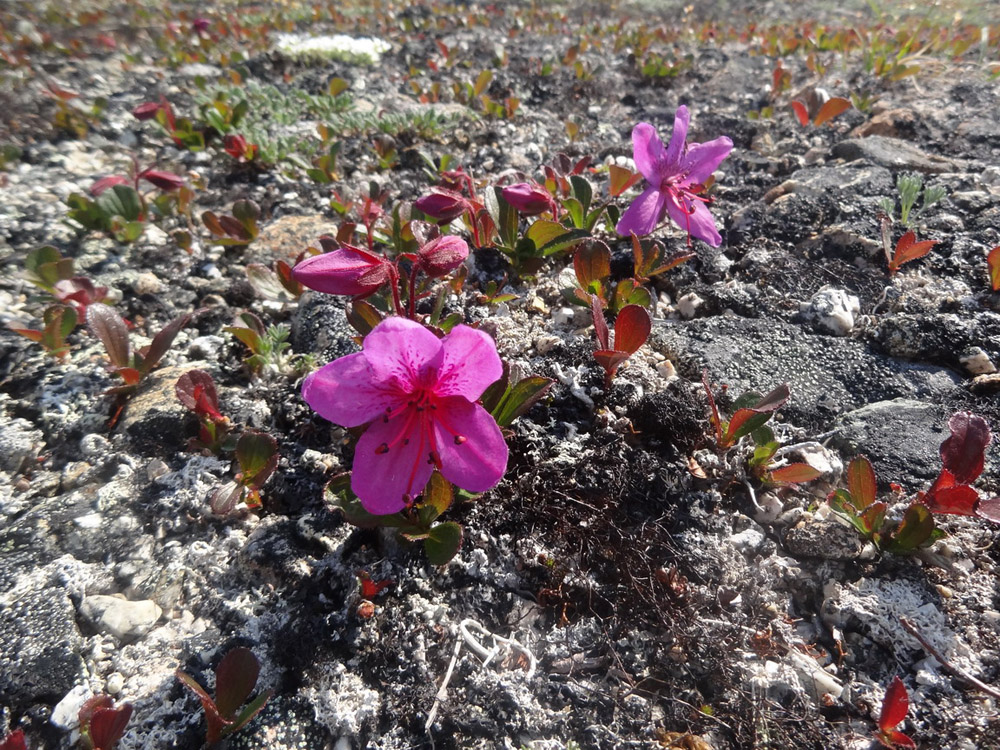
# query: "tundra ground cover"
659,565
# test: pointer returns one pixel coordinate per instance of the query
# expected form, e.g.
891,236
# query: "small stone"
832,310
545,344
114,684
666,369
66,713
688,305
120,617
977,362
147,283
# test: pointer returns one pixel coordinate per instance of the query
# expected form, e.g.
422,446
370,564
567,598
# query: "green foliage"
237,230
268,346
908,186
58,323
117,211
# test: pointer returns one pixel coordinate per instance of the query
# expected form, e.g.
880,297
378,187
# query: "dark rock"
320,325
893,154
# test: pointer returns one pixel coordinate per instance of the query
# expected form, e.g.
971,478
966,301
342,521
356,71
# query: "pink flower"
442,255
442,204
347,270
418,393
675,175
528,198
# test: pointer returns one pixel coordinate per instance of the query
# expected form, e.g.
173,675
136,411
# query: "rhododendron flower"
418,393
442,255
528,199
442,204
675,175
347,270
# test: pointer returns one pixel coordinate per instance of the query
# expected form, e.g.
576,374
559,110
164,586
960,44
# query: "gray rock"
19,443
893,154
832,310
320,326
120,617
827,375
39,647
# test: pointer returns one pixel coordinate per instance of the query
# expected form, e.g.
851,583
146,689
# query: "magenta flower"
418,393
442,255
442,204
528,198
675,175
347,270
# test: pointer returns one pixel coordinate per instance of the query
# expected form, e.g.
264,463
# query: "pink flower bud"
442,204
347,270
442,255
163,180
147,110
105,182
528,198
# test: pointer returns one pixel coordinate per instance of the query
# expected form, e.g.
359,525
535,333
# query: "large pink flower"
674,174
419,394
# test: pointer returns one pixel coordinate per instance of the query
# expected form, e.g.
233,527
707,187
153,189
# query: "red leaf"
861,482
989,509
898,739
945,496
795,473
831,108
895,705
801,112
993,262
14,741
908,249
610,360
964,453
369,588
632,328
108,725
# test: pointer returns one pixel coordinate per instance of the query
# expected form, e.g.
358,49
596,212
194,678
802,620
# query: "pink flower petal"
700,224
346,393
382,478
470,365
472,449
644,214
676,148
346,270
648,153
702,159
404,353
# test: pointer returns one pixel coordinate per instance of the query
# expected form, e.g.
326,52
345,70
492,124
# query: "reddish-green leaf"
195,389
989,508
964,452
873,517
519,398
620,180
915,530
592,263
213,720
437,496
952,499
831,108
632,327
223,499
746,420
795,473
161,343
246,715
257,454
861,482
363,317
993,263
895,705
235,678
108,326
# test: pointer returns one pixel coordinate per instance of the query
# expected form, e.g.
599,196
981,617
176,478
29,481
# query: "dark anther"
382,449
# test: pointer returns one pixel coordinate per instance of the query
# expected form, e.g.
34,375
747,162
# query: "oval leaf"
795,473
108,326
443,543
800,112
895,705
235,678
632,329
831,108
993,263
861,482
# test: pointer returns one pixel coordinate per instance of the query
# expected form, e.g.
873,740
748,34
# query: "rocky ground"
654,597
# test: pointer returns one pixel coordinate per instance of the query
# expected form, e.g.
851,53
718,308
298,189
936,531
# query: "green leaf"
519,398
582,190
504,216
246,715
575,210
437,497
45,266
121,200
873,517
443,542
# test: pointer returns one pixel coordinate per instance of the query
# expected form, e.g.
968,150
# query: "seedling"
907,248
108,326
750,412
267,344
908,186
592,266
762,465
59,321
237,230
831,108
257,456
859,504
649,260
235,678
632,327
195,389
895,706
102,725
